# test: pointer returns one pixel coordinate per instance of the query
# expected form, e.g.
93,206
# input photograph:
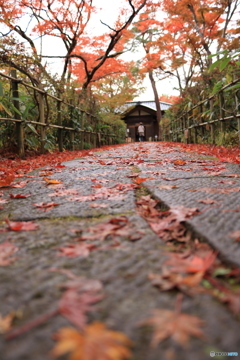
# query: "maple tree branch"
114,40
107,25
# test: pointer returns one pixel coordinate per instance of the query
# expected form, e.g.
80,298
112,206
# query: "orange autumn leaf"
7,181
6,323
95,342
52,181
140,180
193,264
179,162
167,281
178,326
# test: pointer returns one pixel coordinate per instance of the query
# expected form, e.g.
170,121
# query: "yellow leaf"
96,342
52,181
6,323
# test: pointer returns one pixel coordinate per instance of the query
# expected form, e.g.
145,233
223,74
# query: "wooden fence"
219,112
67,119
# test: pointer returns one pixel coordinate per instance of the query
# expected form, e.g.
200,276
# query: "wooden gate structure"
145,112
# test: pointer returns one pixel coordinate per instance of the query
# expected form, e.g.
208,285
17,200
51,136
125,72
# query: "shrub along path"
131,252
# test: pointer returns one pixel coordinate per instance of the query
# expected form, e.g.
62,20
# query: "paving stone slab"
30,285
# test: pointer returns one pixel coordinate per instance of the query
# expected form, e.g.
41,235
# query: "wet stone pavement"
102,234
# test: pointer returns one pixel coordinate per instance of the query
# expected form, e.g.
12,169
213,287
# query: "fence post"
72,137
212,127
42,120
238,119
95,140
19,126
222,112
59,121
195,134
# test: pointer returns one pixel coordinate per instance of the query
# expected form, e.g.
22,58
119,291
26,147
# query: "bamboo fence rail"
221,108
44,123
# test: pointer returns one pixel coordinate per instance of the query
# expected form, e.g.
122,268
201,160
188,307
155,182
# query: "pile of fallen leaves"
13,167
191,266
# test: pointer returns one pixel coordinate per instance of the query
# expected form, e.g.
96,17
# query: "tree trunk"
158,107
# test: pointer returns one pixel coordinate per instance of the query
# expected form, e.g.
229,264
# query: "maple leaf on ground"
52,181
6,251
146,206
20,184
182,213
6,322
18,196
75,304
178,326
78,298
46,206
140,180
75,250
179,162
167,187
168,281
64,192
21,225
7,181
95,342
101,231
193,264
207,201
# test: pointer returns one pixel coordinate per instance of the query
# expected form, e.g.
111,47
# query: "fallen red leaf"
21,225
18,196
46,206
140,180
192,264
7,181
179,162
78,299
75,250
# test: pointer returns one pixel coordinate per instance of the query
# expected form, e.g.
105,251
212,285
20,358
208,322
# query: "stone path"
106,228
